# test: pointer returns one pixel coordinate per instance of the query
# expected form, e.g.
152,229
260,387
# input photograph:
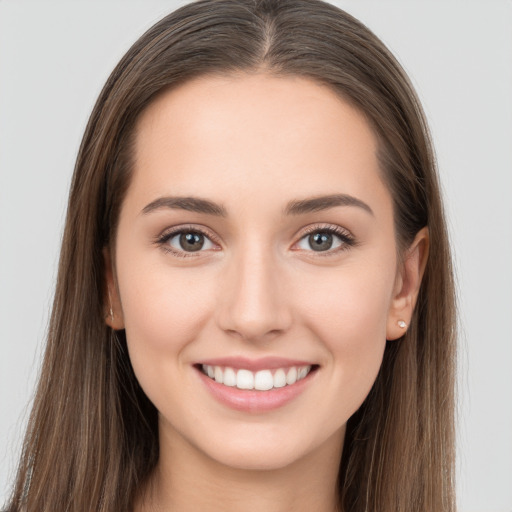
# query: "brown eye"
326,240
187,241
191,241
320,241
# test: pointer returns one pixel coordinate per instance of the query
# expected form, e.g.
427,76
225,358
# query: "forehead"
257,135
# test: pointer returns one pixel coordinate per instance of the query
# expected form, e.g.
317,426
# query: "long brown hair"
92,438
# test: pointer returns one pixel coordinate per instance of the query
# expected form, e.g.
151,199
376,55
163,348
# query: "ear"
112,303
407,286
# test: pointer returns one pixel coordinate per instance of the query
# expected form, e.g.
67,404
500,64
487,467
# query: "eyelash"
168,235
346,238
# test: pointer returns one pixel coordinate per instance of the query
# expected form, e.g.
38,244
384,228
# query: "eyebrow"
297,207
317,204
191,204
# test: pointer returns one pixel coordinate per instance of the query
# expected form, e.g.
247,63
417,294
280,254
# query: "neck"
186,480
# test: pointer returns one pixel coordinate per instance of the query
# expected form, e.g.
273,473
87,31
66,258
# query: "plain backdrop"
55,57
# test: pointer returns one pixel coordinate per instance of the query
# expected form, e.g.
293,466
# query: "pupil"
320,241
191,241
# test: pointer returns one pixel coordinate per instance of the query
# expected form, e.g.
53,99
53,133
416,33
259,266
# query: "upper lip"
264,363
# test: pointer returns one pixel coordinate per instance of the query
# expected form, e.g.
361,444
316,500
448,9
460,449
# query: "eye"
184,241
326,239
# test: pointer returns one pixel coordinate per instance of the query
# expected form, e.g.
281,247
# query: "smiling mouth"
262,380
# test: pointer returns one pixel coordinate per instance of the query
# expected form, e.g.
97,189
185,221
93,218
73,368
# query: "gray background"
54,59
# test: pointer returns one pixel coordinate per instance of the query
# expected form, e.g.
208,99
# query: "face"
256,267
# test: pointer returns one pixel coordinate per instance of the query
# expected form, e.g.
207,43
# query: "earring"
110,312
401,324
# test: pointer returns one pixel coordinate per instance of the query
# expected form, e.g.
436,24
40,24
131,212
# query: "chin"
257,460
272,451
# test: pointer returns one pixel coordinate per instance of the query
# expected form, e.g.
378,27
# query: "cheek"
348,312
350,303
163,310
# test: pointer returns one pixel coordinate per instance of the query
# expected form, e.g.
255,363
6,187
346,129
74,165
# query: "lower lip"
252,400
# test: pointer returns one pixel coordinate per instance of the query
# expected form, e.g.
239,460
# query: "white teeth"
219,375
279,378
261,380
229,377
302,372
245,379
291,376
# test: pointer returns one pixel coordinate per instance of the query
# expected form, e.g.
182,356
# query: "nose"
253,304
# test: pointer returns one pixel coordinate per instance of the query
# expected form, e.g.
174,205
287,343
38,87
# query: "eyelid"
346,237
326,227
173,230
169,233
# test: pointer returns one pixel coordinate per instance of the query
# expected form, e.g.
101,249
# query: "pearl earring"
110,312
401,324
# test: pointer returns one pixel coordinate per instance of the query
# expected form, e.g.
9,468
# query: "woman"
254,306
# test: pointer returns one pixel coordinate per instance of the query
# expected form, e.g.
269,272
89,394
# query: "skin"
252,143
